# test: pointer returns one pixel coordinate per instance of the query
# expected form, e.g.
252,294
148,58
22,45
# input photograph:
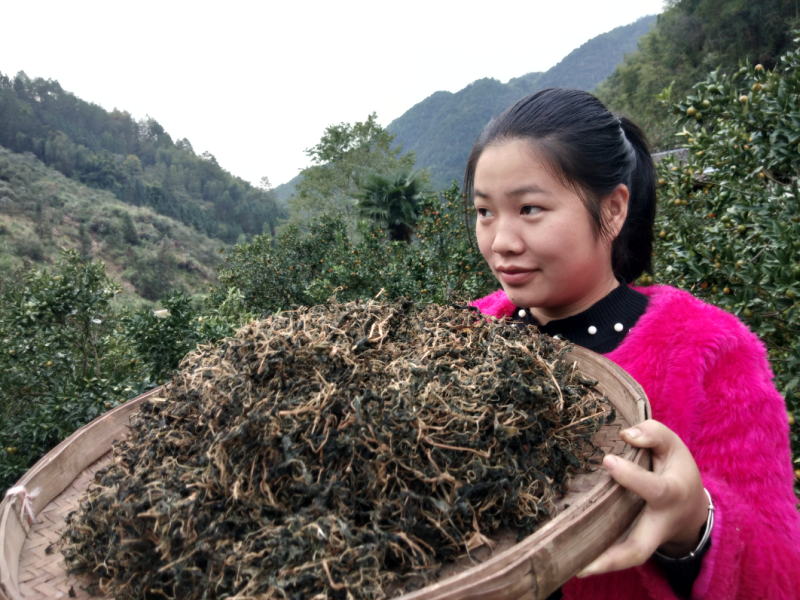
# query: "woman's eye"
484,212
529,210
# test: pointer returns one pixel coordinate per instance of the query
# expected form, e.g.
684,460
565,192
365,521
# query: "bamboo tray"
593,515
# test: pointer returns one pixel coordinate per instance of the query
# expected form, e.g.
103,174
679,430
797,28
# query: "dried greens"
340,451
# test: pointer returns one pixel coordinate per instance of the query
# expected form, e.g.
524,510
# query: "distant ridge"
443,127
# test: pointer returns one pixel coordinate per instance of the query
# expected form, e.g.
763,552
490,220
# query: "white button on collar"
618,327
592,330
521,313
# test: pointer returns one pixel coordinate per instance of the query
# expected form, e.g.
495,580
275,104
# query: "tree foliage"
729,224
308,268
61,362
69,353
344,157
690,39
393,202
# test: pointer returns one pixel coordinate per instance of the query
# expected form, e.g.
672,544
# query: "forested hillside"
443,127
42,211
137,161
690,39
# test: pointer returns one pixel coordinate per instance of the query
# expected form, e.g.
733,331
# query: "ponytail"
631,251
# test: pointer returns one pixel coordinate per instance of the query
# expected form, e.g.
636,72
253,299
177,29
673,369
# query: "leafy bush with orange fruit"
729,219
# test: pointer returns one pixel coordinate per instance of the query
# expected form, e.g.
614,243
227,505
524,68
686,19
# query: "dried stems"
342,451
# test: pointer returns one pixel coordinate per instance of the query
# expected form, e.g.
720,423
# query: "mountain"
442,128
42,211
137,161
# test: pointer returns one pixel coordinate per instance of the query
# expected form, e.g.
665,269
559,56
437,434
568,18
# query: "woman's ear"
615,208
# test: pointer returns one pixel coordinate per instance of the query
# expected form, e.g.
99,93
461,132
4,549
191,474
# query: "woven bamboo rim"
595,512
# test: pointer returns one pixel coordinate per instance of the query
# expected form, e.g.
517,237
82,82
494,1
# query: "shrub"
729,224
68,354
153,274
161,342
307,269
61,362
29,247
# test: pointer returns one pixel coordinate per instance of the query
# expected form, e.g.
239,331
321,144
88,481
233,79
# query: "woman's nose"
507,241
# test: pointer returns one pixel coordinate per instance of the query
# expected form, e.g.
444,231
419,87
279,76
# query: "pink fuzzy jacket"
707,378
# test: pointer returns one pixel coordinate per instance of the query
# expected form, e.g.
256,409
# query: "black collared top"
601,327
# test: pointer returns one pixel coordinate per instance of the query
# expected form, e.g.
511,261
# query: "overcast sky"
256,83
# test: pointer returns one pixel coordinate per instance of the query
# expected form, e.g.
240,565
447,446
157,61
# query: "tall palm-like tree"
393,201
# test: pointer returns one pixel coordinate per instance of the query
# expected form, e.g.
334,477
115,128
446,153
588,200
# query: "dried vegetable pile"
342,451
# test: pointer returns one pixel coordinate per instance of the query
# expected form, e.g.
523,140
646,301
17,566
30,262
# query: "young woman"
565,197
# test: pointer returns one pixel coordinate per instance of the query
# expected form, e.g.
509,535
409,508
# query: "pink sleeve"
496,304
747,559
745,460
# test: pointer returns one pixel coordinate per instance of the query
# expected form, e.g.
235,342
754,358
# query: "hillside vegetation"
137,161
728,231
42,212
690,39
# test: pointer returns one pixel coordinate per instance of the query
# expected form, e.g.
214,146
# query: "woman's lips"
516,276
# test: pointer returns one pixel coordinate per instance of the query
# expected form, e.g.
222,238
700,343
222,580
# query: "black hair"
592,151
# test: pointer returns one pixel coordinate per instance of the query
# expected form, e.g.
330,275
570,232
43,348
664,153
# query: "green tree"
70,353
344,157
132,164
41,225
308,268
129,232
153,274
394,202
86,242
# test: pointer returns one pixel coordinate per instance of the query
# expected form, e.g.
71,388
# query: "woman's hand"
677,506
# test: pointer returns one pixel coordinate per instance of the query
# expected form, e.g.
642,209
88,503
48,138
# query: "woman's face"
537,235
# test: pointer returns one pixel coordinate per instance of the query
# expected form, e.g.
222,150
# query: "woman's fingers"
652,434
640,544
676,506
651,486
